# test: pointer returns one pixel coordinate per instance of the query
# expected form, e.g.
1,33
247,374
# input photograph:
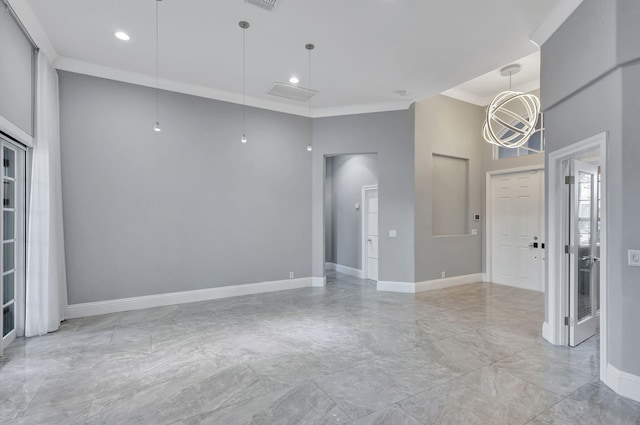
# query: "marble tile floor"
342,354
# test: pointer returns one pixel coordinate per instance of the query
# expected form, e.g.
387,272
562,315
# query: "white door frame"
554,330
488,265
363,219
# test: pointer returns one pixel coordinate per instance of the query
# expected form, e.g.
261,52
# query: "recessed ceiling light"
294,80
121,35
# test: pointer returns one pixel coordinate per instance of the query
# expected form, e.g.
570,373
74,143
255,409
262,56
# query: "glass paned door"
584,270
13,231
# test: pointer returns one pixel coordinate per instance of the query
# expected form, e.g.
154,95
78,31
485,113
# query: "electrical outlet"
443,274
393,234
634,258
292,275
474,232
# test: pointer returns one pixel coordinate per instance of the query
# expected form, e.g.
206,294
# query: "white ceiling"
481,90
366,50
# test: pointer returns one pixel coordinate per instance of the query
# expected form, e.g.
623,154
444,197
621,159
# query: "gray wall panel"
391,136
608,103
188,208
593,51
447,126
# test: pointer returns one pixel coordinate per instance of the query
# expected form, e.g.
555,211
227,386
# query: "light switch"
634,257
393,234
357,205
474,232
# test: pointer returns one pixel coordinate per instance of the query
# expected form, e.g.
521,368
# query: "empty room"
373,212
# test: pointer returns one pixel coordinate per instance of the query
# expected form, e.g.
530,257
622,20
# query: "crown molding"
465,96
361,109
553,21
87,68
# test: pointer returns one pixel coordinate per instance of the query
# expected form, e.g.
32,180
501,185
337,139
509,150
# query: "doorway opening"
351,215
577,248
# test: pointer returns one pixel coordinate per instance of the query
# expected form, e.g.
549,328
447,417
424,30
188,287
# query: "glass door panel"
13,231
582,299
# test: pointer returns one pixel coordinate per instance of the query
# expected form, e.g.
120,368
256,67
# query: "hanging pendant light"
511,116
156,127
244,25
309,48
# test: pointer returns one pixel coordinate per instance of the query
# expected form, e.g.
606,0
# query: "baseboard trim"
390,286
183,297
547,333
345,269
625,384
448,282
319,282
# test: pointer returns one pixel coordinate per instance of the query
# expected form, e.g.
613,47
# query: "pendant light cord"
309,103
244,79
157,66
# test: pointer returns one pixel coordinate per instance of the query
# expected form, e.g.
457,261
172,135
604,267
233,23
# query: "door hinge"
569,180
568,249
566,321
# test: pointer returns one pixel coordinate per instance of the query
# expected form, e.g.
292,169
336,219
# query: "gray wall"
349,174
630,230
16,73
391,136
608,101
447,126
188,208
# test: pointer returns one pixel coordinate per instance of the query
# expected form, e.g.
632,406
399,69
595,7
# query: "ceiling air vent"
269,5
291,92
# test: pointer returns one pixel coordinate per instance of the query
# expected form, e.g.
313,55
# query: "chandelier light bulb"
243,139
157,128
309,147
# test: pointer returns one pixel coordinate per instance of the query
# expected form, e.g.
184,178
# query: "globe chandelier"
512,116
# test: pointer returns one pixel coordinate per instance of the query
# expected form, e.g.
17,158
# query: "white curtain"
46,294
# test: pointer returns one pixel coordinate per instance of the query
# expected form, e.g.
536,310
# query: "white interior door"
371,233
516,227
12,229
584,253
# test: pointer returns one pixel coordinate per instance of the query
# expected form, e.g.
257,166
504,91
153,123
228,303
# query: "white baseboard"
389,286
448,282
547,333
345,269
623,383
172,298
485,277
319,282
428,285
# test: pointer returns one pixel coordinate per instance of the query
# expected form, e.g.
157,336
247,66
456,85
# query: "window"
534,145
